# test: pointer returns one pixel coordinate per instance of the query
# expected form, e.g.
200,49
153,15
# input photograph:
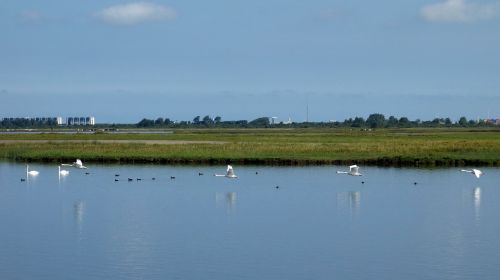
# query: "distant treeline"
28,123
373,121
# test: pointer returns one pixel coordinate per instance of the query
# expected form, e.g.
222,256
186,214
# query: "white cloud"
134,13
460,11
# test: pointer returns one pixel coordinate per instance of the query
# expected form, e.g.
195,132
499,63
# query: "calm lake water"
316,225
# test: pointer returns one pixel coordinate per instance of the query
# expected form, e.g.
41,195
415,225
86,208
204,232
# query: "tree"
196,120
392,122
376,120
159,121
447,122
403,121
462,121
358,122
260,122
217,119
145,123
207,120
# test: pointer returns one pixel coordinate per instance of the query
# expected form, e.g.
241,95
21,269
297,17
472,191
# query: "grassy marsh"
398,147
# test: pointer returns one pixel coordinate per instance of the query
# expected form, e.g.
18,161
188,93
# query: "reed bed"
326,146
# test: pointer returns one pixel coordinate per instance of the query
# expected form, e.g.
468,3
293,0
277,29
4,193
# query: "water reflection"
226,199
78,214
349,200
476,195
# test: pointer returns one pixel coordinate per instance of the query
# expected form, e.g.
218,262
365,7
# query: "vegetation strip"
399,147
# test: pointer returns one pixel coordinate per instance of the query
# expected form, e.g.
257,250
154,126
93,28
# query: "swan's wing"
78,162
230,171
477,172
66,164
469,171
354,169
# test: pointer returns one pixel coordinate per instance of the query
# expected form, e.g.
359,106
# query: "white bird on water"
78,164
229,173
32,172
63,172
476,172
353,171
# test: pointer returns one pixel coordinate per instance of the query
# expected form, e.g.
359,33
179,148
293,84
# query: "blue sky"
123,60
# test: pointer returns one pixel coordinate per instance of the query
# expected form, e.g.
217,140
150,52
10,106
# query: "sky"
122,61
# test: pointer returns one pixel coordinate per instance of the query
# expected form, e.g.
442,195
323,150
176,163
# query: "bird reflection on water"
476,195
349,200
227,200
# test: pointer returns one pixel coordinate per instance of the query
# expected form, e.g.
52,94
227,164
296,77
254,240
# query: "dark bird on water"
138,179
172,177
116,175
87,173
153,178
277,187
116,180
362,182
22,179
200,174
414,183
256,172
130,179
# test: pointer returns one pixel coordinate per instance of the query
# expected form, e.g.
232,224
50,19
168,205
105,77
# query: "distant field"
395,147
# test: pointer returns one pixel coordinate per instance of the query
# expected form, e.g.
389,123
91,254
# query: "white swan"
353,171
78,164
476,172
229,173
63,172
32,172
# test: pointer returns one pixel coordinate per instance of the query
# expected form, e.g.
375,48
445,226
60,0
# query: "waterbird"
277,187
172,177
200,174
22,179
153,178
117,175
256,172
138,179
77,164
229,173
476,172
353,171
32,172
87,173
362,182
130,179
62,172
415,183
116,180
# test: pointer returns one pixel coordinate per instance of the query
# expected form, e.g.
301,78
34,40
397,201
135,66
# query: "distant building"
493,121
80,121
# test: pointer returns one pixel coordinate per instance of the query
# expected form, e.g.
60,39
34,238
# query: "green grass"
413,147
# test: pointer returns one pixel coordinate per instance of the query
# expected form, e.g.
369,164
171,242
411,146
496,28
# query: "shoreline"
380,162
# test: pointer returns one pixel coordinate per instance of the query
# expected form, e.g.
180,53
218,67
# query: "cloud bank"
135,13
460,11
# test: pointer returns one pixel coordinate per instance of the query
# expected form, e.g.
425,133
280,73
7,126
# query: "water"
316,225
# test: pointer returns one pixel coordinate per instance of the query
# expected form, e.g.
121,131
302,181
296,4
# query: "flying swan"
476,172
78,164
353,171
229,173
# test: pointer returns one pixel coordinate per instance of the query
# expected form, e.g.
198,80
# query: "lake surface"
316,225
